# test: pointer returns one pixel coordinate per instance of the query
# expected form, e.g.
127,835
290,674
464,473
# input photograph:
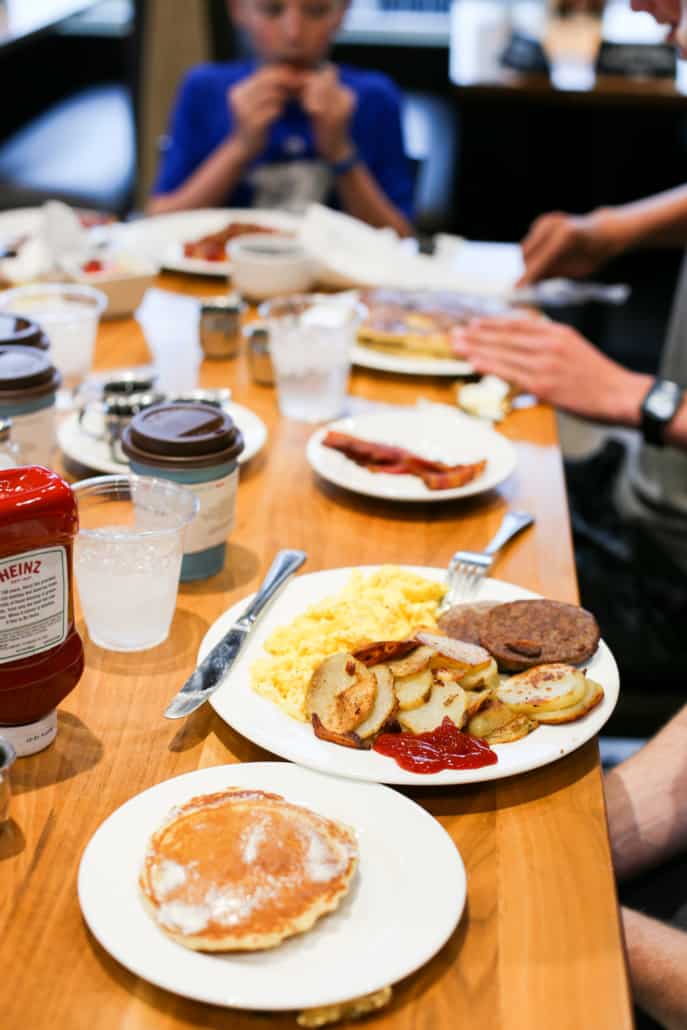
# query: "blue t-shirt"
288,174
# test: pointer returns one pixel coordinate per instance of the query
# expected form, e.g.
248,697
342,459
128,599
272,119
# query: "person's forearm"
647,818
209,185
361,197
657,959
654,221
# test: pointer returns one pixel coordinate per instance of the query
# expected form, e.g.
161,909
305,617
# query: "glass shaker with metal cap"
220,328
259,358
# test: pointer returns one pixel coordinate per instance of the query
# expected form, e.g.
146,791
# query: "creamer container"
28,384
198,445
41,655
18,331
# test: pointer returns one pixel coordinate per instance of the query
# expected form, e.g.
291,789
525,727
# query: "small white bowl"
267,265
123,280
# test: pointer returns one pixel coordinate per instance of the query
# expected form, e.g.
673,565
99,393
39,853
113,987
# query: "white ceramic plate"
367,357
268,726
163,236
405,858
437,435
93,453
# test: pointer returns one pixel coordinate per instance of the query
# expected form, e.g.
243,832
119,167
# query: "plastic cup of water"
311,336
69,313
127,557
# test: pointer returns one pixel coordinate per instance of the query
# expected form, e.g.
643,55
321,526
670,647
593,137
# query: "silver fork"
467,568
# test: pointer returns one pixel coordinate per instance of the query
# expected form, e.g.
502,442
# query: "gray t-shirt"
652,490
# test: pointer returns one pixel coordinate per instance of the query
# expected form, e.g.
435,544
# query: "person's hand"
556,364
572,246
330,106
257,101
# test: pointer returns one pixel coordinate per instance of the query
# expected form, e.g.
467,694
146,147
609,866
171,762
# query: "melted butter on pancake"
244,870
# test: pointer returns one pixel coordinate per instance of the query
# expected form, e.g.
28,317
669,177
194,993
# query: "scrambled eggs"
388,604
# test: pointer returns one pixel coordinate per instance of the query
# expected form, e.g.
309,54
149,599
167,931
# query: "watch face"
663,400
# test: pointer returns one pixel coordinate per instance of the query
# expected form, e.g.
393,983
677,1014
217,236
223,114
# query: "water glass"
311,336
69,314
127,557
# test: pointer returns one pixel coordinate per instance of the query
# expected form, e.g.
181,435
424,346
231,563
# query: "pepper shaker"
7,758
220,329
259,358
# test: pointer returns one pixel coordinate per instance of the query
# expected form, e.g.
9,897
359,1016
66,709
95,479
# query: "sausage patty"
526,633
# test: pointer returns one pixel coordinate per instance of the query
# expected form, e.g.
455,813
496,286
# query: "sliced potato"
385,706
341,693
475,700
455,654
446,699
514,730
343,739
384,651
493,716
482,677
416,661
543,688
413,690
593,695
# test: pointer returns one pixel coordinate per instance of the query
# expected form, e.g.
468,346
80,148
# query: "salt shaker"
220,330
259,358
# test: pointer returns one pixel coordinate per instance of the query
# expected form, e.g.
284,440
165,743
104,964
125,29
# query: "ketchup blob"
445,747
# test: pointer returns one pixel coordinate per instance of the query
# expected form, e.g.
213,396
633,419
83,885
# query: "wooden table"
539,945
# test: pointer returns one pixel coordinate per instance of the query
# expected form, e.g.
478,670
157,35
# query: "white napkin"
60,238
350,253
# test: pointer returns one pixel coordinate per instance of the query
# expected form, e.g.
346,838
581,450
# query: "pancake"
242,870
522,634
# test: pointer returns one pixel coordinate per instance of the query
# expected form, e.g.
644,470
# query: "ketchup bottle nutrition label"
41,654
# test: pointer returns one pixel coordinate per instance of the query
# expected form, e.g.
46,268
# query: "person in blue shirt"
287,128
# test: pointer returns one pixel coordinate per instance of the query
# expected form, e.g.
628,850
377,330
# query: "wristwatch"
658,408
341,167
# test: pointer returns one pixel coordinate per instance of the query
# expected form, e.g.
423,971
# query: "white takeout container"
266,265
124,285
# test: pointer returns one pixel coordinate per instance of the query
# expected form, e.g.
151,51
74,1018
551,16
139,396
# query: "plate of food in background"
422,453
567,690
410,331
311,866
193,242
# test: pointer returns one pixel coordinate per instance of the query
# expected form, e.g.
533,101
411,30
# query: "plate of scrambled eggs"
320,614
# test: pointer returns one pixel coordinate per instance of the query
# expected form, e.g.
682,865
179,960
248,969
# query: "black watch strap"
659,407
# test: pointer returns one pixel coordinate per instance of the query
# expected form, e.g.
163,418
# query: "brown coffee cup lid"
18,330
186,433
26,371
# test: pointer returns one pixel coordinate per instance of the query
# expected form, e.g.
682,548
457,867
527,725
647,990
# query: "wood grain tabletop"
539,944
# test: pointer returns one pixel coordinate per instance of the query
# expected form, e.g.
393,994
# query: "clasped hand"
258,101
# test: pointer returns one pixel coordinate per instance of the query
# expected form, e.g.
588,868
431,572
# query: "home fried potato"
492,716
342,693
592,697
385,705
454,654
486,676
543,688
413,690
414,662
447,700
520,726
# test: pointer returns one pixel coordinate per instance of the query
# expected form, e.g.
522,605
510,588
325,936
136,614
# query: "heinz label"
33,602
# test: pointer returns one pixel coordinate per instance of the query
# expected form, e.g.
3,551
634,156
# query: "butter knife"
209,674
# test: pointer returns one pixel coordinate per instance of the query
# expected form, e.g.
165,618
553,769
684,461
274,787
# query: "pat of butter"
489,398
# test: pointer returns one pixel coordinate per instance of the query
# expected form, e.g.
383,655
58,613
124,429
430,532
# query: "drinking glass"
310,343
127,557
69,313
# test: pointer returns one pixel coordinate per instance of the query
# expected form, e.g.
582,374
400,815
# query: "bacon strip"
381,457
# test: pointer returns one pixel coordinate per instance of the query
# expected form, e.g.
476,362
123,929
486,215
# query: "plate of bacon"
205,252
413,454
